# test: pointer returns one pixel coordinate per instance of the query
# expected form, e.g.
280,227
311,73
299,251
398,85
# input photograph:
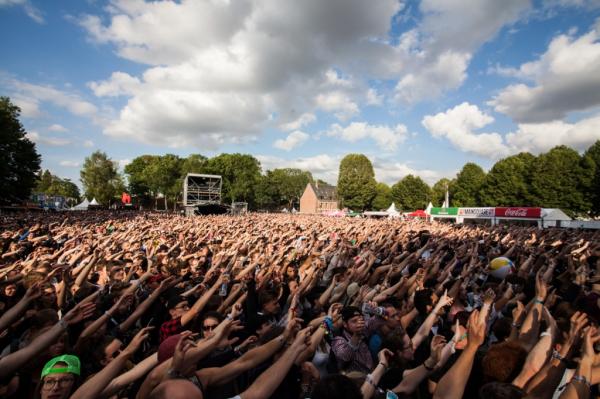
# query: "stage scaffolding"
201,190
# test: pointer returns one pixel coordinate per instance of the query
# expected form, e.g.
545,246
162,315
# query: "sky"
420,87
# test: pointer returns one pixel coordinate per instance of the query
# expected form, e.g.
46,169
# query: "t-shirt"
169,328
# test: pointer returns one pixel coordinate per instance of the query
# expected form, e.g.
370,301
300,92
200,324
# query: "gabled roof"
324,192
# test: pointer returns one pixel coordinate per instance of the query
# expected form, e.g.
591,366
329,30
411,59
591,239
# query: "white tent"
553,217
81,207
392,211
94,202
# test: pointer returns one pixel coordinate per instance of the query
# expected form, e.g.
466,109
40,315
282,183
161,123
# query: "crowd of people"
148,306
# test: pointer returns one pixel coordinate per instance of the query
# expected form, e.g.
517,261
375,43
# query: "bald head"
176,389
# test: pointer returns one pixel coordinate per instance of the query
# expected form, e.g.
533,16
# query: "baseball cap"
72,362
166,350
349,312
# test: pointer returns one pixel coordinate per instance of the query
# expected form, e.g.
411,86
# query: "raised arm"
452,385
425,328
200,303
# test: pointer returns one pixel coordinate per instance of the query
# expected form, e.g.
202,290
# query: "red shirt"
169,328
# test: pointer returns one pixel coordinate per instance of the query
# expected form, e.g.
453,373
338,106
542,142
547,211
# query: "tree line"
560,178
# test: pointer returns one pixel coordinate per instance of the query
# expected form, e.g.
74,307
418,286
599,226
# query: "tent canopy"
83,206
94,202
392,210
554,214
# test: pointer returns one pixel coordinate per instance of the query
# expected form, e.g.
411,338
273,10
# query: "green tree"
100,178
411,193
438,191
137,176
356,182
383,198
289,184
594,154
508,182
19,160
45,180
562,179
240,174
465,191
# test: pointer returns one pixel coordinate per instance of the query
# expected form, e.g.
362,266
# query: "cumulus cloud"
459,126
387,138
323,166
88,143
293,140
51,141
224,71
118,84
564,79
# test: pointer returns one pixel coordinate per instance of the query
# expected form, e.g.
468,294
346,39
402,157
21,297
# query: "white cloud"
392,172
219,71
565,78
541,137
118,84
29,96
339,103
123,162
321,166
304,119
57,128
70,164
88,143
374,98
293,140
31,11
51,141
387,138
459,124
447,72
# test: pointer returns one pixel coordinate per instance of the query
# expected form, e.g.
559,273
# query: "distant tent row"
84,205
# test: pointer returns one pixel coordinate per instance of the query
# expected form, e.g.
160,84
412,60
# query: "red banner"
518,212
126,198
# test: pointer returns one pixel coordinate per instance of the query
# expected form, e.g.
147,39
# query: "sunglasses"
210,327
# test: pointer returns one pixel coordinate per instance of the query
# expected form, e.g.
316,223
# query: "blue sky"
420,87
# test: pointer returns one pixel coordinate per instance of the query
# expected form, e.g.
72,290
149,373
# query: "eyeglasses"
210,327
49,383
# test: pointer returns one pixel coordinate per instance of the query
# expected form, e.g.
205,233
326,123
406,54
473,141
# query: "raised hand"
476,330
183,345
444,300
384,357
79,313
137,341
33,292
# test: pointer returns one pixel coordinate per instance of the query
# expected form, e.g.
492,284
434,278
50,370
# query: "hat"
349,312
166,350
72,362
352,290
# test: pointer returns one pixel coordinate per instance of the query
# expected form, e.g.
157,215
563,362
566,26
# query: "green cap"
72,362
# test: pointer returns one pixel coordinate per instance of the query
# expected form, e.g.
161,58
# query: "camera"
373,311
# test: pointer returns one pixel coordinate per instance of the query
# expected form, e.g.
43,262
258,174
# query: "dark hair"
504,361
422,300
336,386
213,315
500,390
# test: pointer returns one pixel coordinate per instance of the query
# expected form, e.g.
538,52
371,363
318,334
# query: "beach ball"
501,267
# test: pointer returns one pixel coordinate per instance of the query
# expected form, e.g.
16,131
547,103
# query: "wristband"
580,378
384,365
537,301
369,379
63,323
557,356
427,367
515,325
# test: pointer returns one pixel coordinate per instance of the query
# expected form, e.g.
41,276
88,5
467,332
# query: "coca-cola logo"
516,212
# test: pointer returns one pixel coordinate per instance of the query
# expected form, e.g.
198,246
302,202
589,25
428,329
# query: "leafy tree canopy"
19,160
411,193
356,182
465,191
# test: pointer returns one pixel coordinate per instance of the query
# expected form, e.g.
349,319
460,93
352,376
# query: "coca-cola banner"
519,212
477,212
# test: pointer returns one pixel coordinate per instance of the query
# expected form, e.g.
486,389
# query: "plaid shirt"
169,328
355,358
